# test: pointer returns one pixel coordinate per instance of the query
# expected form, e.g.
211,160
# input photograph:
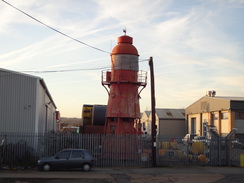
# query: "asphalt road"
130,175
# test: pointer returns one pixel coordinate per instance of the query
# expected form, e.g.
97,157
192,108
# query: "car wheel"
46,167
86,167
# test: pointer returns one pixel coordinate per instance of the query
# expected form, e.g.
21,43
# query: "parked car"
68,159
188,138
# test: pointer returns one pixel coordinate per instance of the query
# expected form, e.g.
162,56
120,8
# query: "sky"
196,45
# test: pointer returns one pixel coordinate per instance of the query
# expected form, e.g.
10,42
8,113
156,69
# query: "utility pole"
153,124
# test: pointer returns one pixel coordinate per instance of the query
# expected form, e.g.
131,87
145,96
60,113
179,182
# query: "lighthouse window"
114,119
126,119
112,129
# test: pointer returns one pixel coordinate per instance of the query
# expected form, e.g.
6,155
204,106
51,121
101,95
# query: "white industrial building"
146,126
170,122
25,103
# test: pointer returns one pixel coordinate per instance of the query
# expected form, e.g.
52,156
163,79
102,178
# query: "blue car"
67,159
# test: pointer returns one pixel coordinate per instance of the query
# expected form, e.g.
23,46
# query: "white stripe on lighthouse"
125,62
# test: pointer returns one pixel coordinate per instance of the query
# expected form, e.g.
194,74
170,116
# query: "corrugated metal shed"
170,113
25,103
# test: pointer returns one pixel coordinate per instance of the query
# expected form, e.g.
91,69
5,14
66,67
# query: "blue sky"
196,45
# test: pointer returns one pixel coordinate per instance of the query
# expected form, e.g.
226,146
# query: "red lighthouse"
123,81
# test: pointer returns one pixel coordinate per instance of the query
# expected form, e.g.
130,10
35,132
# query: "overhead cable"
74,70
143,60
66,70
55,29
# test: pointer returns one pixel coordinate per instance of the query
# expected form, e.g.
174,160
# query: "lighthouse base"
119,126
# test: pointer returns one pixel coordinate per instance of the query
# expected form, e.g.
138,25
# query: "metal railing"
140,78
24,149
215,152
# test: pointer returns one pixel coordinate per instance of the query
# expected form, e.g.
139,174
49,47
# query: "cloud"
230,81
196,46
130,13
31,51
7,16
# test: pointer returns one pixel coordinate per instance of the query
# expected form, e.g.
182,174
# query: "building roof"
19,73
34,77
224,98
47,91
229,98
170,113
216,103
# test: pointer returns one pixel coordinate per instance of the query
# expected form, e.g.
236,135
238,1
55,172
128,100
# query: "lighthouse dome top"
125,46
125,39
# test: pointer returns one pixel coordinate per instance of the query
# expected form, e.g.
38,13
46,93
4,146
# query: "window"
205,129
114,119
239,115
126,119
169,114
215,116
143,126
112,129
77,154
193,125
64,154
224,115
236,115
